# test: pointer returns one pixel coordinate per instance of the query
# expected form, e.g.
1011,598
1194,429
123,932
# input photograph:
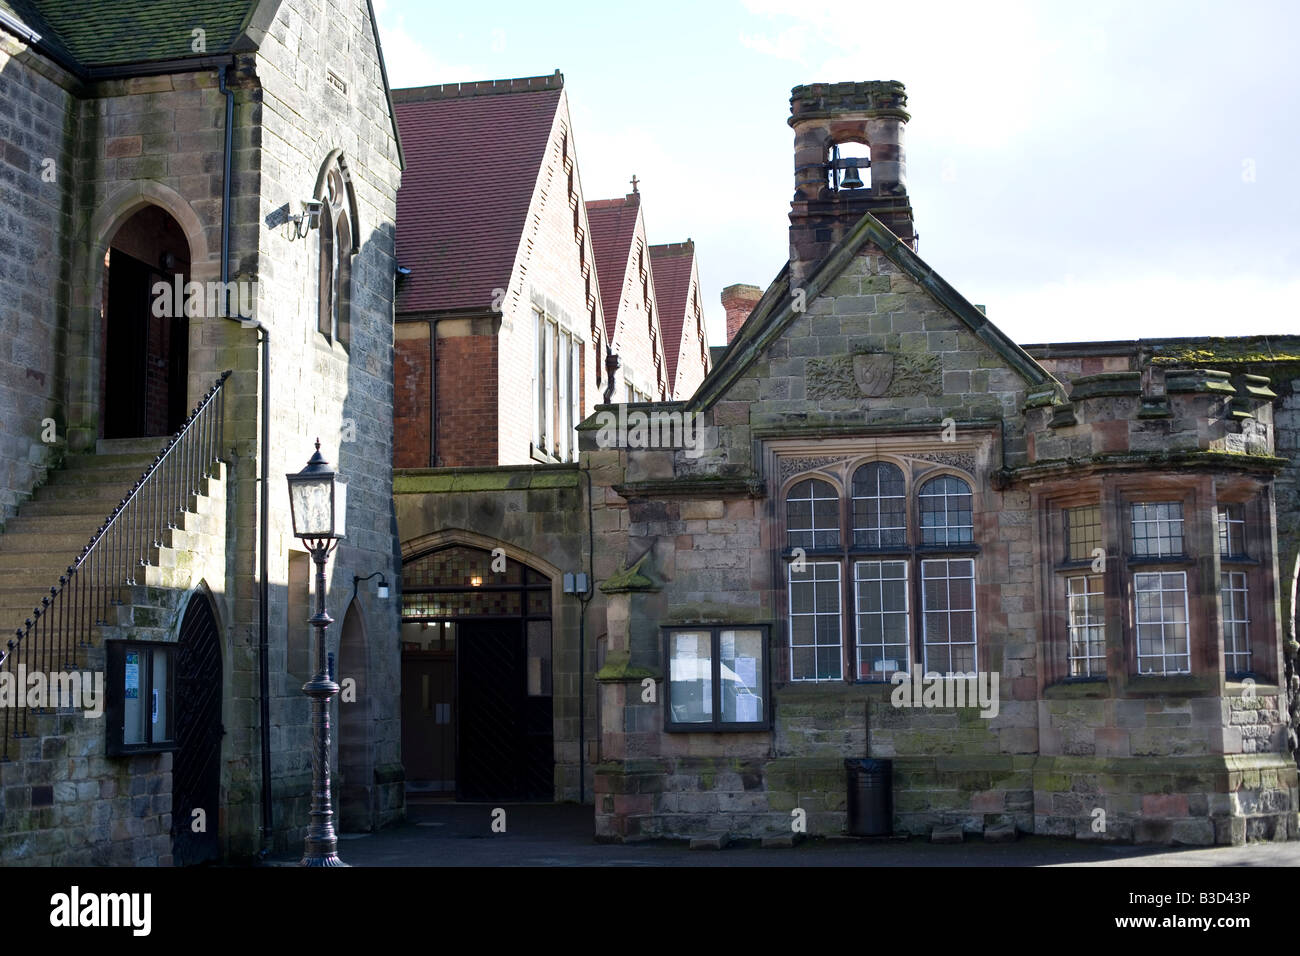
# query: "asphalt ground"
445,834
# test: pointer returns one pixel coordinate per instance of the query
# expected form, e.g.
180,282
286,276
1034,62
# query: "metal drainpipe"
433,388
264,442
582,643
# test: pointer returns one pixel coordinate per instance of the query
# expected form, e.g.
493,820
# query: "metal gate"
196,765
505,745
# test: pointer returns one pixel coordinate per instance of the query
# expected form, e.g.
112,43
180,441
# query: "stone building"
515,291
871,495
500,344
201,204
885,495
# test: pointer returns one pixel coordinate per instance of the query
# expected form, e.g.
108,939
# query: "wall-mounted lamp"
476,581
308,218
381,589
576,583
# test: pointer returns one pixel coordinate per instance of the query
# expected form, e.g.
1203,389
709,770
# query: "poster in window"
747,670
132,675
746,708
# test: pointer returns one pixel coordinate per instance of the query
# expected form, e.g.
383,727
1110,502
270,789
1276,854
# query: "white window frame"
540,384
815,613
1234,601
948,611
861,617
563,379
1085,632
1159,518
1142,629
1230,520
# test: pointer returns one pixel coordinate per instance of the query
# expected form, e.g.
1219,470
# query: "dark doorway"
477,715
196,766
355,769
428,713
146,354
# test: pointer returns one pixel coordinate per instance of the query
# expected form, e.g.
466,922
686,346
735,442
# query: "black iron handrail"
66,618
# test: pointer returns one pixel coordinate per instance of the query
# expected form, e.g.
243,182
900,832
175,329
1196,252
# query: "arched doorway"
196,765
145,333
355,773
476,677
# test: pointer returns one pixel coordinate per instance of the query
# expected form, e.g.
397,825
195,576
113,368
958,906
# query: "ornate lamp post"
318,503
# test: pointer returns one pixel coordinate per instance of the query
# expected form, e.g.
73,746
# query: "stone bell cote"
848,160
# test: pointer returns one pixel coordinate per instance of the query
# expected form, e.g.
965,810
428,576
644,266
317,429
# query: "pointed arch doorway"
196,765
476,677
144,335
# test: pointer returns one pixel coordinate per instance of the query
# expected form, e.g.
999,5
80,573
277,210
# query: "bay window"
1158,600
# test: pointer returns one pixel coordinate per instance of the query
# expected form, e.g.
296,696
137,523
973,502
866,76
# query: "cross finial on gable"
634,183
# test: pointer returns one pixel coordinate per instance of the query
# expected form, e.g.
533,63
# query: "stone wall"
879,366
290,118
66,802
538,515
37,116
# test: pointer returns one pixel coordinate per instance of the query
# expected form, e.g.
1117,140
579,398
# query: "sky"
1105,170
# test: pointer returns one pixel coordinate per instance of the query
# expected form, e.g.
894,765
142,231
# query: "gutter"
16,26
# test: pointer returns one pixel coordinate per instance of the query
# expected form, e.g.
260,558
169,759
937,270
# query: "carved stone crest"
873,371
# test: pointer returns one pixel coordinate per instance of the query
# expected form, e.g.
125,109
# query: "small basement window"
140,692
717,678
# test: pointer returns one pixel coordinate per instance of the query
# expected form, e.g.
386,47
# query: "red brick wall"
411,402
467,400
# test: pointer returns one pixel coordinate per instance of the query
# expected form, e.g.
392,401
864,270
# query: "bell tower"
833,191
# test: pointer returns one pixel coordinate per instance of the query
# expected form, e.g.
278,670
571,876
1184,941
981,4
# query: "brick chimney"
739,300
826,115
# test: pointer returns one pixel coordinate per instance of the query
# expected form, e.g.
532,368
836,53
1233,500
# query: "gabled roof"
673,263
613,227
88,35
101,40
775,311
473,153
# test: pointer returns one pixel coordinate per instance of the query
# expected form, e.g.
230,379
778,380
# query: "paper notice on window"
746,669
132,675
746,707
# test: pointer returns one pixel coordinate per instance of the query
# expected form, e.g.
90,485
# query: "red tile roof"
613,226
672,271
473,153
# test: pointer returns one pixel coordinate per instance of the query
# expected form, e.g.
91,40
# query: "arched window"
879,506
904,588
336,247
325,262
946,511
812,515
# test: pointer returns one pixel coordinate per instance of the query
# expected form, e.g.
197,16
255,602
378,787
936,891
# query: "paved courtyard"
460,834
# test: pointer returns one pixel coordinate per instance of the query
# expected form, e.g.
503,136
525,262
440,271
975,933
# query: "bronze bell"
852,179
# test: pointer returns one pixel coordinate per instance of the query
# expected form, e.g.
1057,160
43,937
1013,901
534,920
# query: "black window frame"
115,651
717,725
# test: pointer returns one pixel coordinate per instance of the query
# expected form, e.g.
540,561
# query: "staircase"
107,548
54,525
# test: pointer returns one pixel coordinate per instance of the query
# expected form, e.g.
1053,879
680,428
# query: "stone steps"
53,527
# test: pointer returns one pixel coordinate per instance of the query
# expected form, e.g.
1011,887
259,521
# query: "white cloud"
1159,305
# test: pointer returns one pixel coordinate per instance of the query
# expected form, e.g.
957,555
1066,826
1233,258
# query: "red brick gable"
673,264
473,152
613,227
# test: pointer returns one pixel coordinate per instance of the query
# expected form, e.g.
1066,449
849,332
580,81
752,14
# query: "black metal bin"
871,797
